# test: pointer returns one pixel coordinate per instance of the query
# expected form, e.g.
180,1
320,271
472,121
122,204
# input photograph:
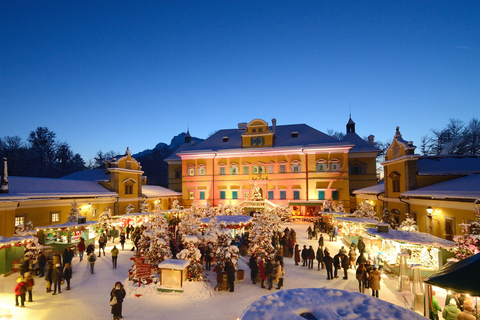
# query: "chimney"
371,139
274,125
4,183
242,126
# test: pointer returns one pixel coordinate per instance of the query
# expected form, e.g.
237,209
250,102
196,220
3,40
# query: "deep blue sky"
105,75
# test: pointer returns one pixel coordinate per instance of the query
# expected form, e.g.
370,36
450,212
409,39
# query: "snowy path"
89,296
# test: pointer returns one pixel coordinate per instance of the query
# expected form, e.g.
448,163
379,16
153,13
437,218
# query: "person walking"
320,258
29,282
328,265
67,274
297,255
279,272
252,264
218,270
352,256
321,242
116,300
122,240
42,262
91,259
361,275
102,242
230,270
114,233
208,257
310,257
67,256
304,255
345,264
361,246
269,272
49,276
309,232
81,248
57,278
114,257
369,269
20,290
90,249
336,264
374,280
263,275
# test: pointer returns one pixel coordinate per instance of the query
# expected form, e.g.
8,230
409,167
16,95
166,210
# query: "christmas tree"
223,248
409,224
105,220
264,227
339,207
366,210
327,205
466,245
129,209
388,218
284,213
74,213
144,206
192,254
175,204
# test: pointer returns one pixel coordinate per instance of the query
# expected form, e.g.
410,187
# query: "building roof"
360,145
448,165
89,175
461,188
37,188
420,238
376,189
183,147
150,191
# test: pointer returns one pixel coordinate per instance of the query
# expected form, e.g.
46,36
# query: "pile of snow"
324,303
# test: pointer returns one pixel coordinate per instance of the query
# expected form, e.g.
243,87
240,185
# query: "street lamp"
429,211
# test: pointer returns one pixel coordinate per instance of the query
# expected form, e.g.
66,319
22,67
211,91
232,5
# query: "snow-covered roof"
24,188
324,303
461,188
174,264
376,189
420,238
67,225
229,220
360,144
131,215
6,241
448,165
150,191
89,175
358,220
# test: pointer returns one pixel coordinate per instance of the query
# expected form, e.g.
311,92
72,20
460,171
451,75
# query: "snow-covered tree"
189,224
105,219
338,207
208,211
327,205
129,209
144,206
231,210
192,254
25,230
388,218
265,225
409,224
284,213
475,226
74,213
466,245
223,248
366,210
175,204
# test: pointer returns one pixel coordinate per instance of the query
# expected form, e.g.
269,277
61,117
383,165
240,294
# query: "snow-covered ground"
89,297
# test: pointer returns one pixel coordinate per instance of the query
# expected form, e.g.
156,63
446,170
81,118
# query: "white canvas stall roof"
174,264
229,220
358,220
67,225
150,191
131,215
6,241
419,238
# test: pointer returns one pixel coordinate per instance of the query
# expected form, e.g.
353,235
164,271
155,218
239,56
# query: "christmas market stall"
352,229
236,224
172,275
422,248
66,235
12,252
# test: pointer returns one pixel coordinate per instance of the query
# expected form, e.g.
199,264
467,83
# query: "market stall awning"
230,220
420,238
67,225
7,241
358,220
461,277
132,215
306,203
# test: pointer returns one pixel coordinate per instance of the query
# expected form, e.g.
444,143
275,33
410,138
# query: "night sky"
105,75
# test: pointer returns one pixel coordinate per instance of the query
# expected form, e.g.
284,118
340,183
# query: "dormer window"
294,134
225,139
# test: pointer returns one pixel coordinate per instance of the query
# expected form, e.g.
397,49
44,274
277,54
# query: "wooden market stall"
66,235
352,229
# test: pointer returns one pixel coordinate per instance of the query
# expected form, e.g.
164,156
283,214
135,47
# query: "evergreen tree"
223,249
475,226
175,204
466,245
264,227
74,213
409,224
366,210
144,206
105,220
192,254
339,207
388,218
284,213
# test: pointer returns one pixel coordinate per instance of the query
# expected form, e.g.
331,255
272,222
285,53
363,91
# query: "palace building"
292,164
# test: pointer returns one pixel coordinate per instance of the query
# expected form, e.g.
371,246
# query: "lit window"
296,194
246,169
270,169
19,221
55,216
202,195
295,168
335,195
222,194
191,195
191,171
234,195
283,168
201,171
222,170
321,195
270,195
283,195
321,167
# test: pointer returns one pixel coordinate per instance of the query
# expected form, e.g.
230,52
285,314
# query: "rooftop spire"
4,182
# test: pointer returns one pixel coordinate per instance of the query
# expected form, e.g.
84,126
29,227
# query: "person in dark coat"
263,276
361,259
67,274
369,268
361,246
208,257
219,271
67,256
269,272
119,293
252,263
57,277
48,277
122,240
304,255
336,264
361,275
81,248
90,248
320,257
310,257
320,241
42,262
328,265
25,266
297,255
230,270
345,264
